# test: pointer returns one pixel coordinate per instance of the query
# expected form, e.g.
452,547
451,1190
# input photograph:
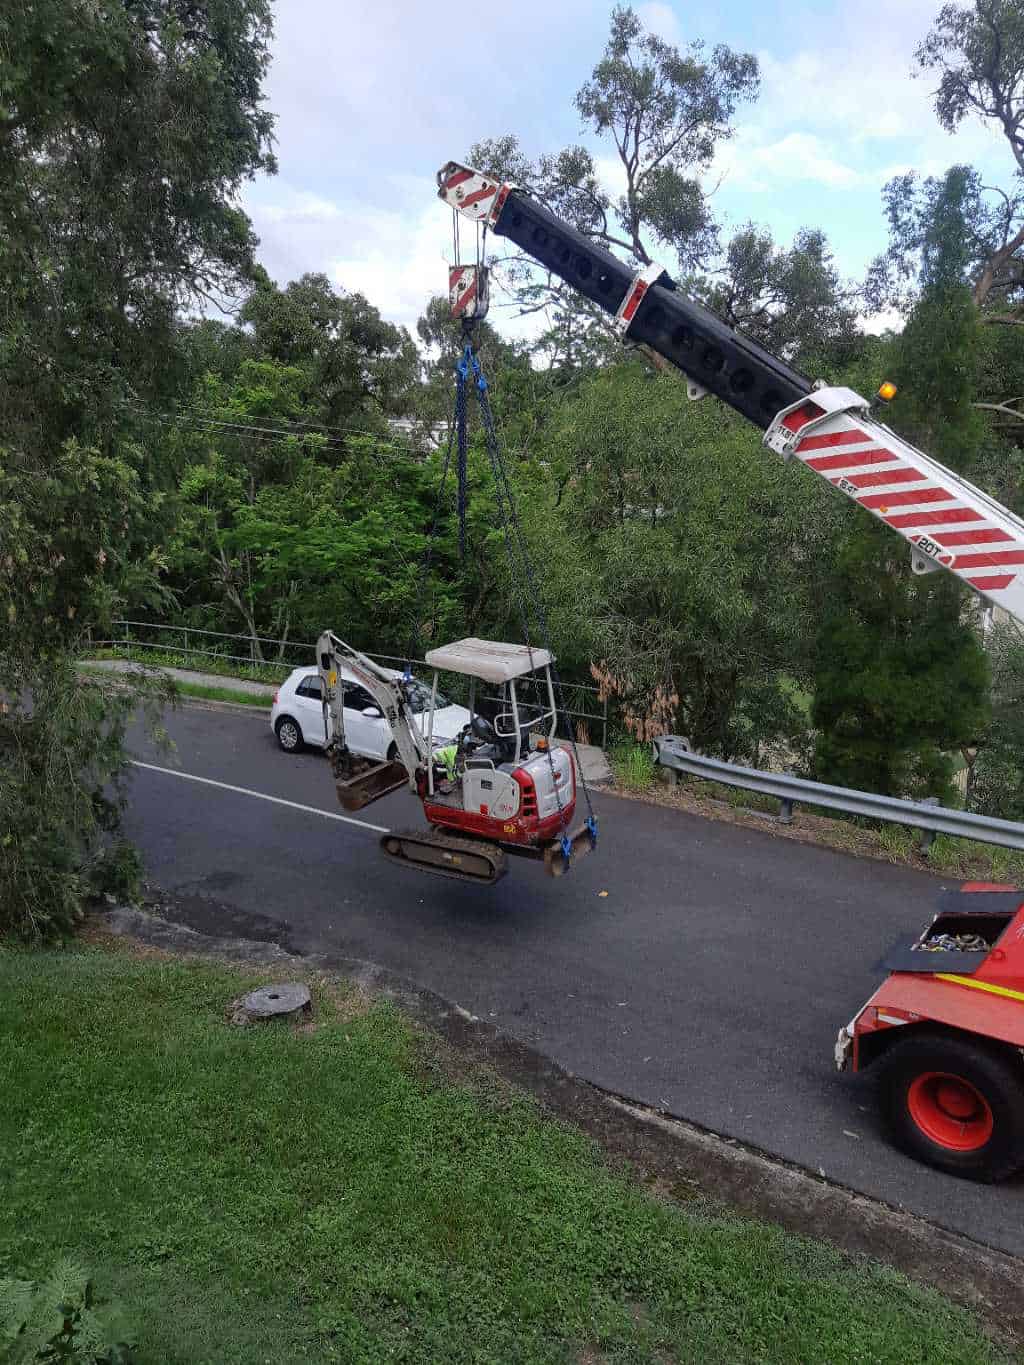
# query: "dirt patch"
335,1000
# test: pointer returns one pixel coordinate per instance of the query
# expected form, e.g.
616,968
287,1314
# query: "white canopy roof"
490,660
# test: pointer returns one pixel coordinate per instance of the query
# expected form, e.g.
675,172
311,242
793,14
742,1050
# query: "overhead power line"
251,430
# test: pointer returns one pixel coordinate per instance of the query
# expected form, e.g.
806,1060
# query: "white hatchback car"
297,716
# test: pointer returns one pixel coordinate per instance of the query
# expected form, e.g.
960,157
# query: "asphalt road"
710,980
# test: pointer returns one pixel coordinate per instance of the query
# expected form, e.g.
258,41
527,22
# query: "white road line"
262,796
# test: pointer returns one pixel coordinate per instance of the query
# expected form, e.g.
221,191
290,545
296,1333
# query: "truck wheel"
955,1104
289,736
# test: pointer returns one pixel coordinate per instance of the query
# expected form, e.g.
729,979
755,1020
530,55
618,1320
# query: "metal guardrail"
176,640
674,753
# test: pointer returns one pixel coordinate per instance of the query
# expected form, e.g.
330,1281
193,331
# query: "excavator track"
464,860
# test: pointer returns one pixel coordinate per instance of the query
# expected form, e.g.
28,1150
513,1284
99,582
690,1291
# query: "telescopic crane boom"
947,522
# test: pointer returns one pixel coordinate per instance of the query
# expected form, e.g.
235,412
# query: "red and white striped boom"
947,522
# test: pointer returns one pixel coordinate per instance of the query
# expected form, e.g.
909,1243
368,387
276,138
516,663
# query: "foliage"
126,133
60,1319
977,52
997,778
290,529
949,228
632,764
438,1221
684,558
665,112
71,551
357,368
900,680
790,300
936,366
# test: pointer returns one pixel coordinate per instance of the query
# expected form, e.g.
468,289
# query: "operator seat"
485,742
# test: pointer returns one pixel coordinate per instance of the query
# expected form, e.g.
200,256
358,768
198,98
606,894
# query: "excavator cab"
513,782
511,703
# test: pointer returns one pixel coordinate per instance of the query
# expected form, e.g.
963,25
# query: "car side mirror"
373,713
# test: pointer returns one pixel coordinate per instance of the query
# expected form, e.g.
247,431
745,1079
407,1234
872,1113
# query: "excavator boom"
360,781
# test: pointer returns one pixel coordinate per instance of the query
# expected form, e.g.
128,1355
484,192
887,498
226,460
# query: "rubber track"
449,843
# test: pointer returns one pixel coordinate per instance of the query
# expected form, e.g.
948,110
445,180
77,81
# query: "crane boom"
947,522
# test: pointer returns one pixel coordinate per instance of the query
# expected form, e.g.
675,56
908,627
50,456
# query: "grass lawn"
273,1194
207,693
199,662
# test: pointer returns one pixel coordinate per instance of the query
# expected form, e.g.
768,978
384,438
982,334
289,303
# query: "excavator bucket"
361,781
582,841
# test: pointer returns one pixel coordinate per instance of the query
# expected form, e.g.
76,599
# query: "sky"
371,98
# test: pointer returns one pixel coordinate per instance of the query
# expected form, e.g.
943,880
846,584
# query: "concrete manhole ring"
271,1002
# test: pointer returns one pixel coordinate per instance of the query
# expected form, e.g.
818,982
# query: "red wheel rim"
950,1111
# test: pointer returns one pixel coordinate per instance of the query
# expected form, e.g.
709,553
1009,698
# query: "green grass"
200,663
274,1195
206,692
632,764
189,689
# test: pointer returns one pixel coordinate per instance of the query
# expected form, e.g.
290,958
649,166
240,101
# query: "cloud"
887,320
661,19
395,256
858,85
371,99
749,163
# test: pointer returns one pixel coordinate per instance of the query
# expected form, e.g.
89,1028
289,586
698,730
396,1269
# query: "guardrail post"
785,812
928,835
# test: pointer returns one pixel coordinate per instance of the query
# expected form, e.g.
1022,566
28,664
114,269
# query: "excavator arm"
359,780
947,522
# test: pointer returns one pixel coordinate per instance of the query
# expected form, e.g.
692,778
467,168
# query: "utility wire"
259,431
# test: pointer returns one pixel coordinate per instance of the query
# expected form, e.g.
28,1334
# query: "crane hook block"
468,292
473,194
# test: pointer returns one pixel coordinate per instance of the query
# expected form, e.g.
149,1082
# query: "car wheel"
956,1104
393,754
289,736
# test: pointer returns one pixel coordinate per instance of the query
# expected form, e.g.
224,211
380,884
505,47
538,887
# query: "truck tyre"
289,736
955,1103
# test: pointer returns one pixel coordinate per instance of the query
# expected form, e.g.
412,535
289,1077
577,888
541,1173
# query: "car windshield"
419,696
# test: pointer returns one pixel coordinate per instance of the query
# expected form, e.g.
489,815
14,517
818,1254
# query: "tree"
126,132
997,774
683,560
978,54
969,225
900,682
665,112
359,369
791,301
283,526
238,450
901,678
506,365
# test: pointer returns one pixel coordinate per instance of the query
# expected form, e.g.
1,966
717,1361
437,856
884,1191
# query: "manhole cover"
269,1001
